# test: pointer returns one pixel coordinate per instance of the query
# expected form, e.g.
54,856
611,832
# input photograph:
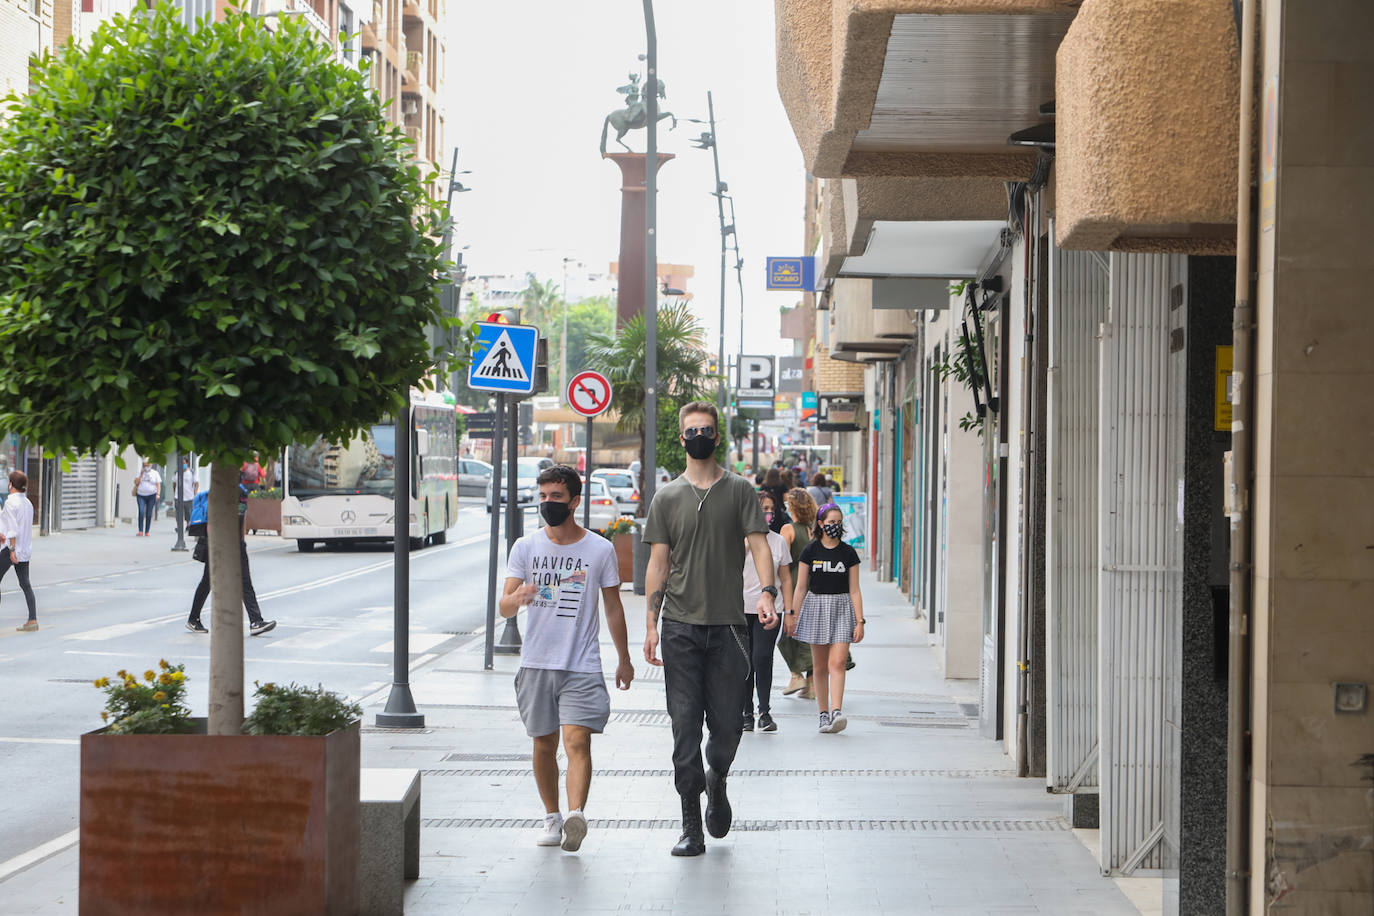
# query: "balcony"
858,330
413,9
413,66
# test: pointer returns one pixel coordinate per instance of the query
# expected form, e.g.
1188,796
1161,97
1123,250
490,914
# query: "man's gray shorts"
549,698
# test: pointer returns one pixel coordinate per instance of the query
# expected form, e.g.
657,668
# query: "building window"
348,38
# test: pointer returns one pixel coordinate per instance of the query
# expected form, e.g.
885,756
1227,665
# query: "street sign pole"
509,643
180,500
587,486
400,711
494,542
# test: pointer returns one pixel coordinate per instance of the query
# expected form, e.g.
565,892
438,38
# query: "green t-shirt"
703,530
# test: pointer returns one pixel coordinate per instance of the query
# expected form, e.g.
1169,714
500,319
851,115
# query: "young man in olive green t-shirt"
694,580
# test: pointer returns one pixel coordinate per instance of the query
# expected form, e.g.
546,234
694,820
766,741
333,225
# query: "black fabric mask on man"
833,529
700,447
555,513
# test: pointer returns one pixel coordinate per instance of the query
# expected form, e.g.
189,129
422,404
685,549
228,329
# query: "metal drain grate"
965,825
641,717
663,773
374,730
486,758
459,632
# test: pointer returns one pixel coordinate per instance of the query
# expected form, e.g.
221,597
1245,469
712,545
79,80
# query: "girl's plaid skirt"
826,619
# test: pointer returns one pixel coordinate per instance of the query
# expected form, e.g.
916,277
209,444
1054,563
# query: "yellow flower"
163,664
164,679
159,696
178,676
166,706
102,682
122,673
149,674
104,716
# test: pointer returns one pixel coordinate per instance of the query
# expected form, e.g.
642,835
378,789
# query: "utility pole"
650,469
719,195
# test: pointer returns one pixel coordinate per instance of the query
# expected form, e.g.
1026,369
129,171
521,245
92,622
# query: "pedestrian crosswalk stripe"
502,362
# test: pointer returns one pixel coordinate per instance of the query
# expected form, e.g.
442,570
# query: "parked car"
603,510
622,486
474,476
663,475
526,485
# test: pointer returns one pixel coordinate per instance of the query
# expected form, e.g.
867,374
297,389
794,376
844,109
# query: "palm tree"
541,300
681,364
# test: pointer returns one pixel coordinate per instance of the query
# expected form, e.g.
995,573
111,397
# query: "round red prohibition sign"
589,393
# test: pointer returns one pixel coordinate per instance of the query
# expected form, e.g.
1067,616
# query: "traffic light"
541,366
505,316
526,420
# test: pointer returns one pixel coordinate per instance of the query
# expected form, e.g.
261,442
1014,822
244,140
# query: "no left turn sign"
589,393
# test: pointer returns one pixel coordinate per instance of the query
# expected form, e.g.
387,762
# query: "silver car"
526,481
474,476
622,487
603,510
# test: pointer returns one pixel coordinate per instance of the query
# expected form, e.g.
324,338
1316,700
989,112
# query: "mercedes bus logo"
347,516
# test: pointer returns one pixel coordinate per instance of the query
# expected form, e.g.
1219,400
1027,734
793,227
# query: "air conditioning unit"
410,106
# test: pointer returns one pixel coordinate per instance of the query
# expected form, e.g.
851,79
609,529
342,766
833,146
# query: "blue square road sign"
503,357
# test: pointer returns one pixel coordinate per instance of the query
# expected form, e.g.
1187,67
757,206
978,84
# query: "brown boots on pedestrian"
809,691
797,683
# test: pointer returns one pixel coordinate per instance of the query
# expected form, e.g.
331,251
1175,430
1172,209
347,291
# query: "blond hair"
801,506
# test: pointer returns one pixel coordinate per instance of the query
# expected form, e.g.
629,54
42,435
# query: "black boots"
718,814
692,843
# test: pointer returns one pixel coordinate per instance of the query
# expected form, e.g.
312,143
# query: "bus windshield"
365,464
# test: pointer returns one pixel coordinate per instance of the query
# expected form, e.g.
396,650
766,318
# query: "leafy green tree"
681,361
541,303
586,319
211,240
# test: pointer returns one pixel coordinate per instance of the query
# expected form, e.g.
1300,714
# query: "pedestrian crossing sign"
503,357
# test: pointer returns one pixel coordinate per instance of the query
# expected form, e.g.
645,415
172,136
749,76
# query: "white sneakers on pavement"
551,834
574,831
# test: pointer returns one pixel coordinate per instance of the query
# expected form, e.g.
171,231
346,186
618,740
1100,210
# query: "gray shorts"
549,698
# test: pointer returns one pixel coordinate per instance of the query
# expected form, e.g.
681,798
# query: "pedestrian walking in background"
251,474
820,489
761,638
189,486
16,536
772,484
797,534
832,612
199,529
147,489
694,529
773,515
557,572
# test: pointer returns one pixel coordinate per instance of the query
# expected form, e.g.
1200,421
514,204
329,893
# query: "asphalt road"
334,613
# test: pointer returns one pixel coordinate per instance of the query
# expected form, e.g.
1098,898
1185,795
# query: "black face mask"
700,447
555,513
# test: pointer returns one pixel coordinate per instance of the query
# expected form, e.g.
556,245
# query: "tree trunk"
226,607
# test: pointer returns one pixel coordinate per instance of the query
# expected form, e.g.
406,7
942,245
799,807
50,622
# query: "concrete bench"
390,850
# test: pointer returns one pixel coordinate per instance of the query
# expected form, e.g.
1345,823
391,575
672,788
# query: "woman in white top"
16,536
147,488
761,638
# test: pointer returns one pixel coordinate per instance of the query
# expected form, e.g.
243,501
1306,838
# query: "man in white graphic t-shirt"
556,573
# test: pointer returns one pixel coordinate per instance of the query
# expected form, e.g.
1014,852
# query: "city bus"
339,492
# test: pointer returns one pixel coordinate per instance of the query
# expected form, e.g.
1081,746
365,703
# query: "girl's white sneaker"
552,832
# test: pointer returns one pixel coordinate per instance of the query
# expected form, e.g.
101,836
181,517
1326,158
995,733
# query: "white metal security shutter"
1078,306
1140,546
79,487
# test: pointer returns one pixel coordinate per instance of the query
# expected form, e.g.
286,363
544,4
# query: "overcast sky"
529,85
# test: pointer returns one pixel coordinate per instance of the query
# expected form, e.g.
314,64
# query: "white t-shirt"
148,482
782,556
16,524
562,622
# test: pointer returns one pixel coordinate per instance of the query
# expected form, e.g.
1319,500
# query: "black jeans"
21,570
705,673
250,598
761,644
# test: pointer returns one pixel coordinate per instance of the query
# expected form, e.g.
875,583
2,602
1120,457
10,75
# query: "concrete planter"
256,823
263,514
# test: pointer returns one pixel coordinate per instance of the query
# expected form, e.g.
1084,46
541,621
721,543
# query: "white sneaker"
837,722
574,830
825,723
551,834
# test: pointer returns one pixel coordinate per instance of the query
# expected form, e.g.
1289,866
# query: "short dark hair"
692,407
561,473
19,480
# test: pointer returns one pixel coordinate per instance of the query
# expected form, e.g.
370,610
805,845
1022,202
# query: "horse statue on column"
634,115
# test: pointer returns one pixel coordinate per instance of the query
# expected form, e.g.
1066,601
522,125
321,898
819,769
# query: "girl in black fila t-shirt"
832,611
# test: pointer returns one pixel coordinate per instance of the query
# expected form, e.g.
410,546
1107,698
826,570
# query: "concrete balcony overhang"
933,88
1147,126
858,328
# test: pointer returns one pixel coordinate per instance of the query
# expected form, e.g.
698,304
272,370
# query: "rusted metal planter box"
260,824
262,514
625,556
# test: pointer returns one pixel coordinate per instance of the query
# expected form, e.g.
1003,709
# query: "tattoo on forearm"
656,603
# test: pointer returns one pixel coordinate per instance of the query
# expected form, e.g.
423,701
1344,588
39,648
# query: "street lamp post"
706,141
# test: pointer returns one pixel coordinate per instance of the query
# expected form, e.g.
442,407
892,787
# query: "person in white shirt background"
16,536
189,486
147,489
762,639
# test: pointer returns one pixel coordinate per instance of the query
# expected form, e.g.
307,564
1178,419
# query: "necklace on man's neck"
697,489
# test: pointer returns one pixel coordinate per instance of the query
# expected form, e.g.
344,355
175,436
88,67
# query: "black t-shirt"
829,568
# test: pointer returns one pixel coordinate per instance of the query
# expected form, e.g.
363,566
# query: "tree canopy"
210,239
